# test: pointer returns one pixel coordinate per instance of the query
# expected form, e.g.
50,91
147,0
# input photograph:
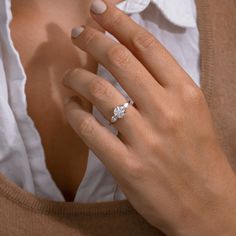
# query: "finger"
130,73
105,97
140,42
92,23
107,147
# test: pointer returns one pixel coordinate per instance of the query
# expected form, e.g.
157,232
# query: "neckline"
27,200
17,195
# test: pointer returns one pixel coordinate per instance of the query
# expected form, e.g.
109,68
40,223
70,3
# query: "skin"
46,55
166,159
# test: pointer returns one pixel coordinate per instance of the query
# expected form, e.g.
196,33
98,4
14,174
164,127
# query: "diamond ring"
120,111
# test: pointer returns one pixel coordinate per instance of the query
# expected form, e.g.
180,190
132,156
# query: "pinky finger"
107,147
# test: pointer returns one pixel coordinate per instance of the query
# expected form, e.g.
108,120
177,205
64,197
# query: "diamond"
113,119
119,111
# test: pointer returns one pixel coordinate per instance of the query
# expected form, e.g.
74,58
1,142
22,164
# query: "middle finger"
124,66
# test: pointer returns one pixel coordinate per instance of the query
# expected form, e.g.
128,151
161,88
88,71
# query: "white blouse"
22,158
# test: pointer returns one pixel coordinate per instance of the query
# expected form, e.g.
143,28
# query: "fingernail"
98,7
67,100
75,32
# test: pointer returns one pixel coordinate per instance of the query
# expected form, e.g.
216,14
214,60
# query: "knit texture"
23,214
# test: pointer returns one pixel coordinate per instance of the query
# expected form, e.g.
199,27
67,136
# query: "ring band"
120,111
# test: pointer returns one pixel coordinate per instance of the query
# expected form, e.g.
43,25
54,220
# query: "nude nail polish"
98,7
76,32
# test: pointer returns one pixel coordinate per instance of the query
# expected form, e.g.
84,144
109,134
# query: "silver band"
120,111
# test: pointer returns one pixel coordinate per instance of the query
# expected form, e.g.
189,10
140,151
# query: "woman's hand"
166,159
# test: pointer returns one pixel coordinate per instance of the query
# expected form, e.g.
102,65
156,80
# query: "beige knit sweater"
23,214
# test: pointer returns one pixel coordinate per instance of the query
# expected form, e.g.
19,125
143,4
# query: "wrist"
214,216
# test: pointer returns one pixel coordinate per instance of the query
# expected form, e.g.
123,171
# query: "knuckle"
114,19
172,121
143,40
137,80
119,55
86,128
89,36
192,94
99,89
134,169
154,144
73,77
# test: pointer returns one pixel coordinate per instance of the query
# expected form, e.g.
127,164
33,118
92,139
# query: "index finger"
140,42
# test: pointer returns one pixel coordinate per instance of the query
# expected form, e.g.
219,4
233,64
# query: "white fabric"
22,158
179,12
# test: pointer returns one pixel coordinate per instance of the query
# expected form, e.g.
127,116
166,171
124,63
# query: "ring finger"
105,97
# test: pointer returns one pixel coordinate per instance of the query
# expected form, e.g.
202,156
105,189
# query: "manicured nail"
98,7
76,32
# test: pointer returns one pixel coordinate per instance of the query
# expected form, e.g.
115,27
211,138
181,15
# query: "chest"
41,34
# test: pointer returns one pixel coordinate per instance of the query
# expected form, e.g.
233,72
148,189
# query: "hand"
167,159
